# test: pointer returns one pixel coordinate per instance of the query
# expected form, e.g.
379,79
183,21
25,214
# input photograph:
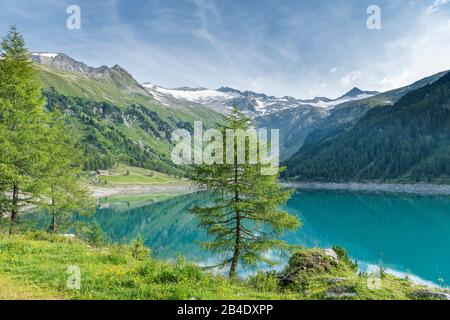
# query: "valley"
225,150
296,118
107,105
117,120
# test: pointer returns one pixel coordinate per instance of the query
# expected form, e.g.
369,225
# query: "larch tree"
22,123
244,219
62,191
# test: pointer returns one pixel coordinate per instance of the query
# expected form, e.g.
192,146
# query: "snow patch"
333,103
195,95
45,54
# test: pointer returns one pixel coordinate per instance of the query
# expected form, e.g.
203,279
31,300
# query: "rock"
305,263
68,236
331,253
340,292
336,280
430,295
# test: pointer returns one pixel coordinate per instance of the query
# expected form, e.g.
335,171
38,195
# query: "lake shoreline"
104,192
418,189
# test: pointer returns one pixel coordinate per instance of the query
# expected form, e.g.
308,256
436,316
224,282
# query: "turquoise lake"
409,234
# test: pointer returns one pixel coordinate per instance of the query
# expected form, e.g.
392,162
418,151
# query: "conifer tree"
244,219
21,124
62,192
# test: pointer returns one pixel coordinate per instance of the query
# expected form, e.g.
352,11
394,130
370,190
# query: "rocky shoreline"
419,189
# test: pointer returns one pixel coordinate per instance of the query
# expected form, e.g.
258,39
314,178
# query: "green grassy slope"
41,261
11,289
102,89
126,175
117,120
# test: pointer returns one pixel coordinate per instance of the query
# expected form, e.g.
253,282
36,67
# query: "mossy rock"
341,292
305,263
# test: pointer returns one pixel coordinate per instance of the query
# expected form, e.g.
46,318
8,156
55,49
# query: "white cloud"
202,47
352,77
423,52
436,5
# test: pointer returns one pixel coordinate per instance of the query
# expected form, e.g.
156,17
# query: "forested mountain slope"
294,124
408,141
309,124
345,115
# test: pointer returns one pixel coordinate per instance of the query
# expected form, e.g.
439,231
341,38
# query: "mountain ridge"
249,102
303,124
116,74
306,127
221,100
116,119
408,141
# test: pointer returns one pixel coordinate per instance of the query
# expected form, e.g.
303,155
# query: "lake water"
410,234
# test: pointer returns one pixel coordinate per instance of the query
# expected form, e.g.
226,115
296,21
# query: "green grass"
100,89
126,175
39,262
319,273
112,273
132,127
11,289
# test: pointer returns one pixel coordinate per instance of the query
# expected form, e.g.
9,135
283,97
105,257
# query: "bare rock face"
63,62
331,253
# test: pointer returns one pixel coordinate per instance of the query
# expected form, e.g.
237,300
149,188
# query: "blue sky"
280,47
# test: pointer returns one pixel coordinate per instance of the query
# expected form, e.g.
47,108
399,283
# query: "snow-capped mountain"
214,99
352,95
296,118
249,102
221,100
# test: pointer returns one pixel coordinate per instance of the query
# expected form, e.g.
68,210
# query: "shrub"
94,235
265,281
343,256
139,249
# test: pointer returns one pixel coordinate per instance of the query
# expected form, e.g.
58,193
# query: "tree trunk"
54,224
14,211
237,244
237,247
